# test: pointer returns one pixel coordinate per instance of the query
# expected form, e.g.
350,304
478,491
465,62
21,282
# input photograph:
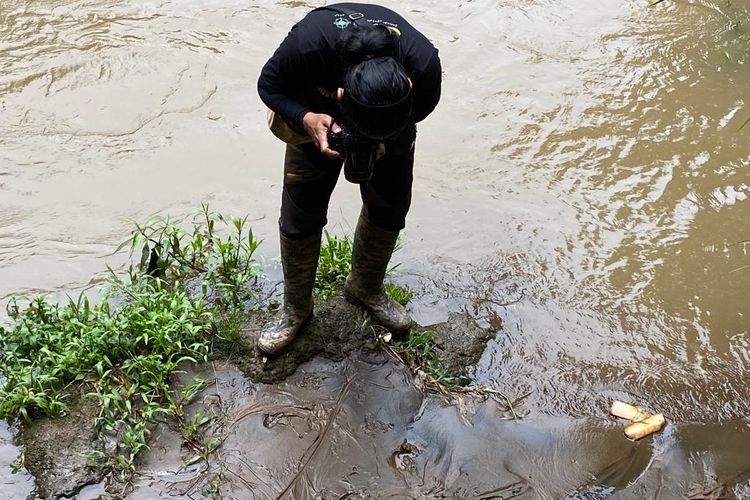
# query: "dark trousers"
309,179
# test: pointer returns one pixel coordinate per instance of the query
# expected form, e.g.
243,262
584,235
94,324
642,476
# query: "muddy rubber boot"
299,259
371,253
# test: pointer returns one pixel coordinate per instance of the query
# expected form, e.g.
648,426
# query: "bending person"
346,87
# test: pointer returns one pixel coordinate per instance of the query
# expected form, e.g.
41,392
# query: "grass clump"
400,294
420,352
169,251
125,357
335,264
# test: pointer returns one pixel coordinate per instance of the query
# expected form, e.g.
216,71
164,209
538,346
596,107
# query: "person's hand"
317,126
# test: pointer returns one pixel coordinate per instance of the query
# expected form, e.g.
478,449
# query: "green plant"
170,252
212,490
400,294
420,353
334,264
126,357
228,322
233,266
191,389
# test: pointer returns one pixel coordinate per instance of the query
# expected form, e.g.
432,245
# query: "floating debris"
642,428
628,412
642,422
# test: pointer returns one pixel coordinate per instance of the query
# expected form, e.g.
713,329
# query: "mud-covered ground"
60,453
338,416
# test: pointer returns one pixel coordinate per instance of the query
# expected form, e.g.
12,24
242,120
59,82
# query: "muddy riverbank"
338,416
61,452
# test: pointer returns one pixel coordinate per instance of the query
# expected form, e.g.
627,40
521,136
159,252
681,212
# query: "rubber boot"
299,260
371,253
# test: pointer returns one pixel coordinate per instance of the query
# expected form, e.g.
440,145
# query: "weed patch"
400,294
419,352
335,264
175,254
125,357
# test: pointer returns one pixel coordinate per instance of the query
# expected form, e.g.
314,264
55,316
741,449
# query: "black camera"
358,153
341,140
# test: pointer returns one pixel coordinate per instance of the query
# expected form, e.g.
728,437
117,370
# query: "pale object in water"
628,412
642,423
642,428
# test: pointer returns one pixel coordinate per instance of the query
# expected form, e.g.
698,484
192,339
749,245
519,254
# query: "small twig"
449,391
485,300
319,441
242,480
216,381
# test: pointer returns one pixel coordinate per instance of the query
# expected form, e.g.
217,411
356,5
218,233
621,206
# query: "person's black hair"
377,93
360,42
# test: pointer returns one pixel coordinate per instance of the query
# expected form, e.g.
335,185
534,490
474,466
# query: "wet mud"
58,452
339,338
359,428
338,329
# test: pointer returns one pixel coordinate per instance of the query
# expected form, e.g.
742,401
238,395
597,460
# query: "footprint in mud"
404,458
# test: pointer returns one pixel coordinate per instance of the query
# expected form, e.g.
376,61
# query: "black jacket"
306,62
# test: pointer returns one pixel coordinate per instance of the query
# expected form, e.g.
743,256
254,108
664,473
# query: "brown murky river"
585,180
